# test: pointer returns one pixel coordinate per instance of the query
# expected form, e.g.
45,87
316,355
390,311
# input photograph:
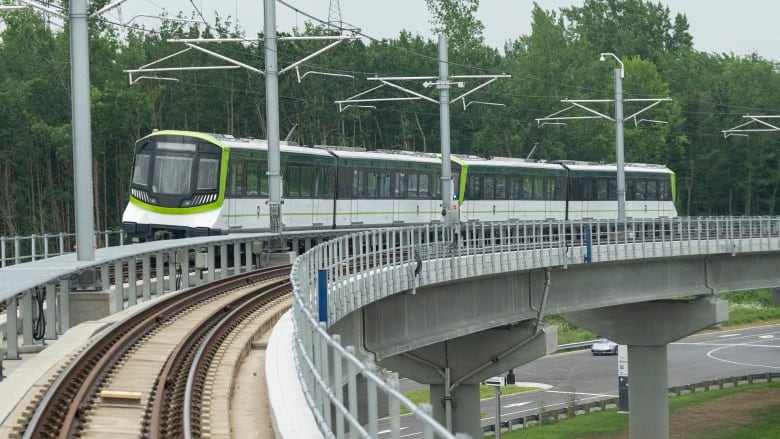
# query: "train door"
359,184
399,195
235,190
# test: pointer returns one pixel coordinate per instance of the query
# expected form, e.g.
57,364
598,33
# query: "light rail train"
192,184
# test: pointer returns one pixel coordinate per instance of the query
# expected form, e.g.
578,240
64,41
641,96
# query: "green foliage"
610,423
557,60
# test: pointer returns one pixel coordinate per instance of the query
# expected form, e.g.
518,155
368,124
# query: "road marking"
766,336
580,393
729,335
710,354
388,431
519,404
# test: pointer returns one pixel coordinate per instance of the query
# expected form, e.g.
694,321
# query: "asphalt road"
585,377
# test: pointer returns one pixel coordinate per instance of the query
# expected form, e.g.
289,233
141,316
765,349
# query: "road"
584,377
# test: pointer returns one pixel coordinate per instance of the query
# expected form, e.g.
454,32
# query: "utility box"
201,260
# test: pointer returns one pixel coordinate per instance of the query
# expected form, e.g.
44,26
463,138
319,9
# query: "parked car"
604,347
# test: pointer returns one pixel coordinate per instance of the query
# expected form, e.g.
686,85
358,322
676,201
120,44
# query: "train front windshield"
168,173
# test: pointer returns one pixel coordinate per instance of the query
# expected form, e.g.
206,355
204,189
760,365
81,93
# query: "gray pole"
82,135
444,118
498,412
272,118
621,173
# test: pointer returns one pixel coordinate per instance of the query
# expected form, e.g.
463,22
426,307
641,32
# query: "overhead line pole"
272,118
444,121
82,131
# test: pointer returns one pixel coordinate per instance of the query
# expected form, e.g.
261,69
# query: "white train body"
190,184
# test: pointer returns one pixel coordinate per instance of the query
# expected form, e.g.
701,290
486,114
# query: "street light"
621,173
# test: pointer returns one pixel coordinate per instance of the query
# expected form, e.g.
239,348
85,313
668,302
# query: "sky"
721,26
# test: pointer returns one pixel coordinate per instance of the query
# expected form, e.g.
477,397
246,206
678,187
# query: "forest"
710,92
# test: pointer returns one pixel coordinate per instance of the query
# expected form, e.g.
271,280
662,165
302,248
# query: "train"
187,183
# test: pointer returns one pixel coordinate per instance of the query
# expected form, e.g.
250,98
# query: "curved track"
138,377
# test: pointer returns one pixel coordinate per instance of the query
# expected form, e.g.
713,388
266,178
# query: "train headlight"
186,203
153,200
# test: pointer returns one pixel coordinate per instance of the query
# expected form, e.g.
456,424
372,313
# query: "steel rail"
79,381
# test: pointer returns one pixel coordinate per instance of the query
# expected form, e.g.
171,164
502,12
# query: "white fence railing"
20,249
367,266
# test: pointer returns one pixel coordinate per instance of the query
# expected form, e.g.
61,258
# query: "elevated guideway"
451,308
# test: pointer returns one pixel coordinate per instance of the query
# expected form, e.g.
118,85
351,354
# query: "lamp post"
621,173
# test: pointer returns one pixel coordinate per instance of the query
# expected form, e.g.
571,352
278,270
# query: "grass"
746,308
422,396
753,417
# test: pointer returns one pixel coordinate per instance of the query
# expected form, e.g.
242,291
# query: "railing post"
64,315
338,385
119,290
352,391
371,397
33,247
2,251
51,312
11,329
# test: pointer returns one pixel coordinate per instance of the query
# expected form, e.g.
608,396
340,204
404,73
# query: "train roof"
243,143
470,160
610,167
388,155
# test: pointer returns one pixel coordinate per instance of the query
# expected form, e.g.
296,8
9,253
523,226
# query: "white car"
604,347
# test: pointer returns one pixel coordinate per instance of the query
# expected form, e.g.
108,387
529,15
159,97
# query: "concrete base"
455,368
90,306
647,328
277,259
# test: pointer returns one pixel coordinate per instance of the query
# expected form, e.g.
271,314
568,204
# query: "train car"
386,188
501,189
592,190
192,184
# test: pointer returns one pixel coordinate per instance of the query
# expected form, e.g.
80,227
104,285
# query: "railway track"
169,371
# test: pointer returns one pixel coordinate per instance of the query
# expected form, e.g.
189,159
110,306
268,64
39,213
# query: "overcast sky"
721,26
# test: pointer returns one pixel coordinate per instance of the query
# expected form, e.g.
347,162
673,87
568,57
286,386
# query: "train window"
236,176
254,175
665,191
652,190
412,185
371,186
601,189
538,192
359,183
423,188
612,189
400,185
528,188
208,173
639,189
560,187
549,188
489,187
324,184
172,175
501,188
475,188
141,171
345,183
515,188
383,184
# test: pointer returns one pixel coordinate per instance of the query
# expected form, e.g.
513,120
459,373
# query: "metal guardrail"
20,249
365,267
576,345
573,409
